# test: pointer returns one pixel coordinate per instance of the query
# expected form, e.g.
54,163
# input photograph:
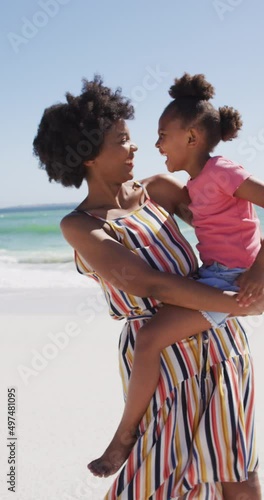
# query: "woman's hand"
251,284
254,309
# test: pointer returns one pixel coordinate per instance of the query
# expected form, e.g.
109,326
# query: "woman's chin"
129,176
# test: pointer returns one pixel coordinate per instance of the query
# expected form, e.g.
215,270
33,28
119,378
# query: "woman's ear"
89,163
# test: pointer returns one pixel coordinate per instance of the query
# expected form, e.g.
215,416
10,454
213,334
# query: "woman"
123,236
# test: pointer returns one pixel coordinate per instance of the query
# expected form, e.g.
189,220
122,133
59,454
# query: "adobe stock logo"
40,19
150,81
252,146
223,7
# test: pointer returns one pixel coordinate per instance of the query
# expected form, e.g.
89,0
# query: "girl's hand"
251,285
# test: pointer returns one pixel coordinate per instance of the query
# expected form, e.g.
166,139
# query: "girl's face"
115,161
173,142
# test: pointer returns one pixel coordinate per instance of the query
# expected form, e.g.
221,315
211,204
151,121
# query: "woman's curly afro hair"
190,104
70,134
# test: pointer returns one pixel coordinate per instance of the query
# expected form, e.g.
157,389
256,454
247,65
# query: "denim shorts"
219,276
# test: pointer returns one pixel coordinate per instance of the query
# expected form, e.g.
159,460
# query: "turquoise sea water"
31,235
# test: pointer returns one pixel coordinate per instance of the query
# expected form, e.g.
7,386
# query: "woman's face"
173,143
115,161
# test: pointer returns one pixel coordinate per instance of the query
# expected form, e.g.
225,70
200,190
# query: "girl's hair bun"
230,122
69,98
195,87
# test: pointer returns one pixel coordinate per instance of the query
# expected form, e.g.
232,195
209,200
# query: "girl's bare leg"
246,490
171,324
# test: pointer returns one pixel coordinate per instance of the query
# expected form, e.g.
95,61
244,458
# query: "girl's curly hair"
70,134
190,104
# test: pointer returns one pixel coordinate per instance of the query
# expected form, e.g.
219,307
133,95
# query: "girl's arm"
252,281
168,192
251,190
128,272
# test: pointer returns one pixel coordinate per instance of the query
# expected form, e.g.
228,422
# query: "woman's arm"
128,272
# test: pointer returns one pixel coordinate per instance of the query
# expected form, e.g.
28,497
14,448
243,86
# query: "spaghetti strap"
109,222
87,213
147,197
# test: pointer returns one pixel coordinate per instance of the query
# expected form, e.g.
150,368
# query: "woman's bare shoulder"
77,222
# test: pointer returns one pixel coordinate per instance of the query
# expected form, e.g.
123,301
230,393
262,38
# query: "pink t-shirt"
227,228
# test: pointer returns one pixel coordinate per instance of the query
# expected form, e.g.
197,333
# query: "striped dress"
199,428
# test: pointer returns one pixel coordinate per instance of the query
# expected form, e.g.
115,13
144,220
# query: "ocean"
31,235
33,252
30,239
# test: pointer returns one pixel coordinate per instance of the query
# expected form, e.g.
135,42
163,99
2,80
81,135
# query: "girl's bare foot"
114,456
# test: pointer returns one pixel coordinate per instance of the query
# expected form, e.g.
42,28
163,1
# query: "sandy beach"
59,353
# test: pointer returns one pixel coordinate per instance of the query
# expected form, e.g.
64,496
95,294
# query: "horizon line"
38,205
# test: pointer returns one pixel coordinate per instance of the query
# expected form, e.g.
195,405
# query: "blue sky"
48,46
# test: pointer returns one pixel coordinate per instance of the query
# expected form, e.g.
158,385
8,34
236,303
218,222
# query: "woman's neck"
106,195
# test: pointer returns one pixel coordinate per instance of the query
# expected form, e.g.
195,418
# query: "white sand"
69,396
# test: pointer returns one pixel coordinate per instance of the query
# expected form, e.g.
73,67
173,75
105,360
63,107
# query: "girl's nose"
133,146
157,144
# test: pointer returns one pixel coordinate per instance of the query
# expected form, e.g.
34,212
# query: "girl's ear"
192,137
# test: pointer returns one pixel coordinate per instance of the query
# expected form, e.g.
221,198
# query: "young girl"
221,195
